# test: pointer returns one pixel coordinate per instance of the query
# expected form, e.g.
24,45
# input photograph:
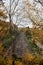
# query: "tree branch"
15,7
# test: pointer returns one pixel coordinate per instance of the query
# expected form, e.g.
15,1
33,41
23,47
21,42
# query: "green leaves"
8,41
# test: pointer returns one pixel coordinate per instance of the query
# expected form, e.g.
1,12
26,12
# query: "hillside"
21,32
37,34
5,29
7,36
18,43
33,35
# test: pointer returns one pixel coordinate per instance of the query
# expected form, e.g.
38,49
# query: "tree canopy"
23,10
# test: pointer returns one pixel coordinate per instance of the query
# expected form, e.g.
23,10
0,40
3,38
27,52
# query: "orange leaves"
18,63
2,61
28,57
2,14
1,48
4,30
9,61
37,34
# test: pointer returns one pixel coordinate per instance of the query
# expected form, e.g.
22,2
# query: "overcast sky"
24,22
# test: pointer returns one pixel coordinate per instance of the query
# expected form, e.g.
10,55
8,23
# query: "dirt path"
21,45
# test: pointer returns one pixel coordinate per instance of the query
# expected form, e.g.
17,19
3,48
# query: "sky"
23,22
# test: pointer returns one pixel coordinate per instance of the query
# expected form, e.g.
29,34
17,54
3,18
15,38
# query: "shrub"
2,61
41,62
8,42
28,34
18,62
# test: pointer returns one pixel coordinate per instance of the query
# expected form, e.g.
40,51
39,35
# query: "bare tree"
33,13
11,10
23,13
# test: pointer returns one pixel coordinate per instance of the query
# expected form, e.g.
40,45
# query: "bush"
28,59
41,62
2,61
2,37
8,41
18,62
28,34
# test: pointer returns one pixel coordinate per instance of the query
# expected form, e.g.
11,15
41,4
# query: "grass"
32,45
8,41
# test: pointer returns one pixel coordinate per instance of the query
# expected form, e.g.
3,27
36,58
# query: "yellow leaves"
36,64
2,61
9,61
18,63
37,34
1,48
0,27
28,57
4,30
3,14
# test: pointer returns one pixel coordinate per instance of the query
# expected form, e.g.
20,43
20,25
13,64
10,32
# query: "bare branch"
15,6
12,2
